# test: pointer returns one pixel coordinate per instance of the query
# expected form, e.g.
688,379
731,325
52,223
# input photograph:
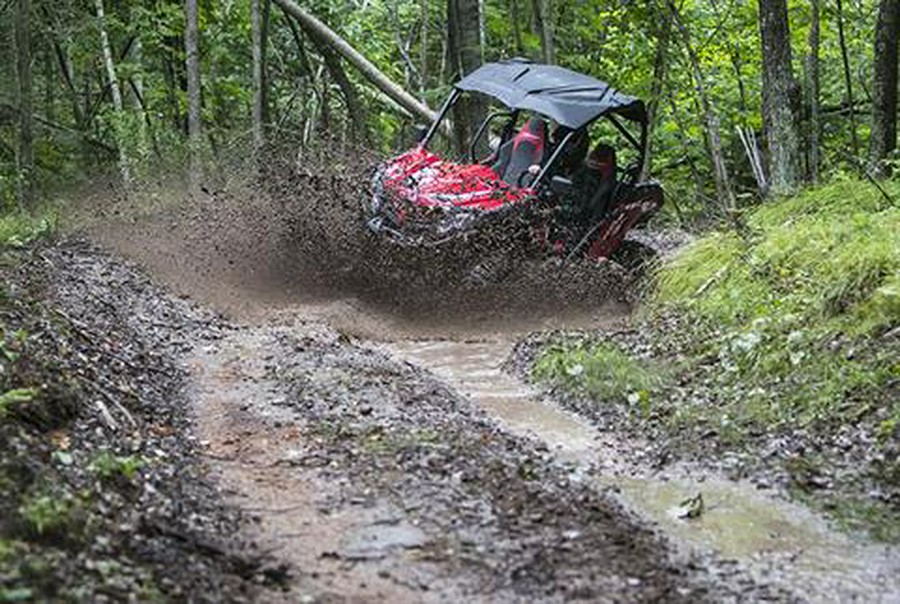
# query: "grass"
789,328
17,229
796,312
602,370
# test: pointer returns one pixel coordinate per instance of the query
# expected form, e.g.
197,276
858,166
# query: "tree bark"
660,64
848,78
711,119
812,92
515,27
543,14
780,93
423,52
365,67
883,137
258,27
464,57
25,151
355,109
115,91
192,68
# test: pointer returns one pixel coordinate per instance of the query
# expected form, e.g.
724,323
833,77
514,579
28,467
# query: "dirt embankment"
106,496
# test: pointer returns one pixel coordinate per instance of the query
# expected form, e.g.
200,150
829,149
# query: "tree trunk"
365,67
137,53
660,63
355,109
464,50
883,137
25,152
515,27
812,93
258,18
848,78
543,14
713,135
116,93
192,68
423,52
780,94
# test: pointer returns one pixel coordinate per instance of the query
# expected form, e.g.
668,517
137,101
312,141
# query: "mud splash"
775,540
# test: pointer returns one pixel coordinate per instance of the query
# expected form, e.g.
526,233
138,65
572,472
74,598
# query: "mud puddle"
777,541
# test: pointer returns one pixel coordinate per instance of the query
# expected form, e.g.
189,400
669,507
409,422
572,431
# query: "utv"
550,182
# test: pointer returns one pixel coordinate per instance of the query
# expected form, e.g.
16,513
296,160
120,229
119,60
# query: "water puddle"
776,541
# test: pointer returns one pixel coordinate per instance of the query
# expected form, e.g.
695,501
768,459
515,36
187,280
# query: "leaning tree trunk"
812,92
543,14
25,152
116,93
192,67
464,50
365,67
883,137
780,94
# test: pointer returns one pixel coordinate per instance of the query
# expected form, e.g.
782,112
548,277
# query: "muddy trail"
354,406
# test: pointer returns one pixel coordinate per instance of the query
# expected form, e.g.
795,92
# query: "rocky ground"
180,438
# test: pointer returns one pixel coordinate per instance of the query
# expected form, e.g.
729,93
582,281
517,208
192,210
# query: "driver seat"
526,149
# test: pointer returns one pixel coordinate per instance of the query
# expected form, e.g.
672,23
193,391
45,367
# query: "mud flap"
612,230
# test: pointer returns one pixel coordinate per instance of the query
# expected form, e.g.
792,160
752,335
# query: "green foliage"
10,398
19,229
601,370
47,513
109,466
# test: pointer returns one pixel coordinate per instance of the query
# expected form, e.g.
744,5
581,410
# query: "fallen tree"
324,34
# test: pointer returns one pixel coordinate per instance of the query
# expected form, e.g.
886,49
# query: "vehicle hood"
423,179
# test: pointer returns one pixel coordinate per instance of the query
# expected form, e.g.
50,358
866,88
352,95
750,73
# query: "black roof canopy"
567,97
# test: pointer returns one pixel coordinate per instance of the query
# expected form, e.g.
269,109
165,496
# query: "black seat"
524,151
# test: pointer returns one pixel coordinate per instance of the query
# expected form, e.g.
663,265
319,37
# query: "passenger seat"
524,151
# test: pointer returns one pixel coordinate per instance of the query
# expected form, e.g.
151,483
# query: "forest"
746,99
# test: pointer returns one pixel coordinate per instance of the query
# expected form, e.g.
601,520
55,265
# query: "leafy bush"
109,466
18,229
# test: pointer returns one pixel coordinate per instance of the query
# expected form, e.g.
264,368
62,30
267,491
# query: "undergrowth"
602,370
19,228
798,315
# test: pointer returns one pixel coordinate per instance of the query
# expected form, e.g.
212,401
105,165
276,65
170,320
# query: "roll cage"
573,100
